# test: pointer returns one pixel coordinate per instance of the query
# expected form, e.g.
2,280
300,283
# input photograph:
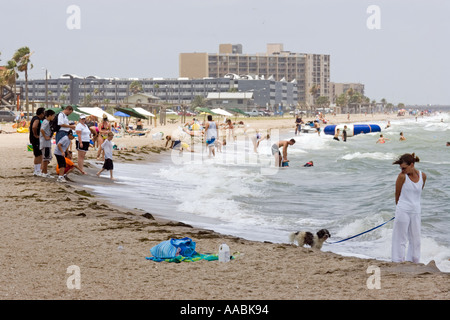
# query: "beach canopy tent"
204,110
131,112
74,107
144,112
74,116
237,110
221,112
98,112
121,114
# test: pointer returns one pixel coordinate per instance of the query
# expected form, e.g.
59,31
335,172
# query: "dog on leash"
315,241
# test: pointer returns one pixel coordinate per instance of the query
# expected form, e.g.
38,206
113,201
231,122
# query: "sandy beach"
48,227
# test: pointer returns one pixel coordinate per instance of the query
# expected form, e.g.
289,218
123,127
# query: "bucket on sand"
158,136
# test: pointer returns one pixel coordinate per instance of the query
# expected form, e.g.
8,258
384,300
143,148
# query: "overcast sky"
404,56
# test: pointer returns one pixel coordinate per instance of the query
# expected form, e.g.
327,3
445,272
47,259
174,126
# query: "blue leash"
362,232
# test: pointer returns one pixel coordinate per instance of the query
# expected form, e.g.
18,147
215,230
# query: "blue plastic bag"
173,248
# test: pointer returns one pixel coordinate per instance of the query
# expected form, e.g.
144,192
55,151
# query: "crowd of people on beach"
214,135
88,132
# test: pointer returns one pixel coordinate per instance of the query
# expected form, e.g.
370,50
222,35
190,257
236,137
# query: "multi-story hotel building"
336,89
303,69
268,94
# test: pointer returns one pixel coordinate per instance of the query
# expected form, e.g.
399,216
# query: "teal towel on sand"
178,250
196,257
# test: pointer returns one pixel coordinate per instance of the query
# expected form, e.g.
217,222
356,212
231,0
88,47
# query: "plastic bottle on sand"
224,253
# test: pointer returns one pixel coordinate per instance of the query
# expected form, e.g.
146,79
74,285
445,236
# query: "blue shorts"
176,145
210,143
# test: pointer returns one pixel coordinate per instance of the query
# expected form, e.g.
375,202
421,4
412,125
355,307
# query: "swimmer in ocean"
382,139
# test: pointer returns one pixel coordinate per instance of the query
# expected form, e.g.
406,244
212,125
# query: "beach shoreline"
49,227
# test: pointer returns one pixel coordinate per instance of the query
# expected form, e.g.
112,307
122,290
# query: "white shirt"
409,200
108,147
62,119
65,143
85,132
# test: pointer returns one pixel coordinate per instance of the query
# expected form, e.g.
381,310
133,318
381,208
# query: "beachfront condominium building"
306,70
268,94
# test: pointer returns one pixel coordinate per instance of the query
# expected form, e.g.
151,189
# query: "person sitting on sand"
60,152
70,165
139,125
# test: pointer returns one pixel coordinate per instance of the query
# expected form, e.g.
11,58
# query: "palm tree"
314,91
383,103
96,94
373,105
8,79
65,92
63,98
22,59
136,87
9,72
198,102
323,101
342,101
156,86
389,107
50,95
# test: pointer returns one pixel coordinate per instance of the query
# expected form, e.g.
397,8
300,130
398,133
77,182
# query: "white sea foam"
369,155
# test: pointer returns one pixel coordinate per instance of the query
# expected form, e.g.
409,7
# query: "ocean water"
349,190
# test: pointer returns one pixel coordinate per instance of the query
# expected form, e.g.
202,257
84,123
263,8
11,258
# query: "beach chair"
117,133
139,132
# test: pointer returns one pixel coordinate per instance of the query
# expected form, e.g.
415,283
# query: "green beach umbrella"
74,116
237,110
131,112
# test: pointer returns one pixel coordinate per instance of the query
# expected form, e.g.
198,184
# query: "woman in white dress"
408,190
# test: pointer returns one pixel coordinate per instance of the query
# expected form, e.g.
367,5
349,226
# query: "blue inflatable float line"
365,128
330,129
357,128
